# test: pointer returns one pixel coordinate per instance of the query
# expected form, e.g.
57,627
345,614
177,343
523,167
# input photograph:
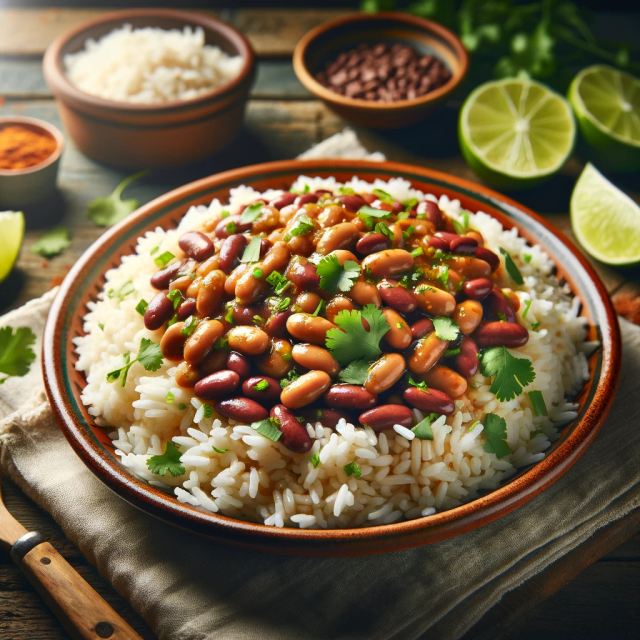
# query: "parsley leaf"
109,210
354,342
268,428
52,243
423,429
251,213
355,373
512,270
334,276
252,251
353,469
537,403
16,354
495,429
149,356
511,374
168,461
446,328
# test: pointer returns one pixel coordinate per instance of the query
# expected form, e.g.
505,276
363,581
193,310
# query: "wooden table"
594,590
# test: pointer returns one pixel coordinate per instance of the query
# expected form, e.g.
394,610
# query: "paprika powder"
24,146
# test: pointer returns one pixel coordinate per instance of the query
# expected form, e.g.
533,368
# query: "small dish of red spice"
30,151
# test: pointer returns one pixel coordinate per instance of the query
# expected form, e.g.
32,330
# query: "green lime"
11,232
515,133
607,105
604,219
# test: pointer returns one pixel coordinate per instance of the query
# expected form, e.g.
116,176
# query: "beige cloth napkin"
188,588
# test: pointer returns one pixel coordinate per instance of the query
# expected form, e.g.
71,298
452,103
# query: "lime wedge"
515,133
607,105
605,220
11,232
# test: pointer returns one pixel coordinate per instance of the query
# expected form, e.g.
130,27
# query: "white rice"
150,65
260,480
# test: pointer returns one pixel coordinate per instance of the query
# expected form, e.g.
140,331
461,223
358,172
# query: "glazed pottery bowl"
22,187
64,384
326,41
151,135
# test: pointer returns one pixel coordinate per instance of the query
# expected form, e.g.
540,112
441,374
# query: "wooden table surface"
594,590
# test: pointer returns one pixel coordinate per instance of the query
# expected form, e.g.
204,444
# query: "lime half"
515,133
11,232
605,220
607,106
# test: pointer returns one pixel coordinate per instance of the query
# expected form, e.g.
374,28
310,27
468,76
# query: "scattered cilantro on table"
53,242
495,428
16,354
334,276
149,356
511,374
168,461
107,211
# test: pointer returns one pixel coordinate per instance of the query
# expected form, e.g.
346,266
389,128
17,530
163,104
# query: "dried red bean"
488,256
162,279
187,308
159,310
225,227
434,214
497,307
478,288
499,334
277,323
244,314
217,385
352,202
196,245
239,363
271,392
446,236
386,416
466,362
438,243
265,245
294,435
303,274
349,396
242,410
328,417
231,252
306,198
372,243
284,200
463,244
430,400
421,328
397,297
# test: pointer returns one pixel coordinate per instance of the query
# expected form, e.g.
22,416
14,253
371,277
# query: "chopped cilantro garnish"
173,320
176,297
461,226
353,469
410,203
283,305
534,326
190,326
501,316
220,451
423,429
169,398
383,228
252,251
221,344
354,342
511,374
374,213
446,328
111,209
495,429
306,189
208,410
334,276
512,270
164,259
537,403
527,257
101,327
168,461
182,406
258,320
399,325
149,356
268,428
279,282
419,385
229,316
155,250
383,196
417,252
319,308
451,352
315,460
231,227
474,425
355,372
291,376
16,354
261,385
527,304
141,307
443,273
224,214
123,291
251,213
346,191
301,227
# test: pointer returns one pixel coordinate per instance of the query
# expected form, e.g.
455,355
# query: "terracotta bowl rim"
40,124
307,79
330,541
60,84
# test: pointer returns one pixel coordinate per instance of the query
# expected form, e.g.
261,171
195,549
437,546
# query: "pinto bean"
308,302
478,288
477,236
468,315
216,385
210,293
434,301
186,309
328,417
351,202
267,221
384,373
429,400
311,356
372,243
464,244
285,199
187,375
270,392
399,334
421,328
251,284
489,257
386,416
202,340
196,245
469,266
341,236
250,341
294,435
239,363
349,396
466,362
301,245
309,328
303,274
173,341
159,310
387,263
498,334
206,267
331,215
231,251
397,297
232,280
445,379
336,305
278,361
181,284
427,352
161,279
230,225
242,410
514,301
343,255
364,293
305,389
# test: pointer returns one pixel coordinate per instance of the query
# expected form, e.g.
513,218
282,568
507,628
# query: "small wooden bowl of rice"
146,88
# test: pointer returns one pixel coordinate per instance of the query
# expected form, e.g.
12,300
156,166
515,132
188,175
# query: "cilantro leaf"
168,461
252,251
423,429
537,403
301,227
353,469
446,328
354,342
268,428
107,211
511,374
261,385
16,354
279,282
461,226
290,377
384,229
355,373
149,356
512,270
495,429
315,460
334,276
52,243
251,213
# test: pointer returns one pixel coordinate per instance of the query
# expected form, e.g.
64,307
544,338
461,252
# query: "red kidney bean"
421,328
242,410
216,385
434,214
187,308
371,243
496,303
438,243
271,392
160,309
386,416
466,362
499,334
463,244
352,202
349,396
161,279
446,236
294,435
396,297
231,252
244,314
328,417
239,363
277,324
397,207
306,198
369,198
478,288
303,274
242,207
240,227
196,245
321,192
284,200
488,256
265,245
430,401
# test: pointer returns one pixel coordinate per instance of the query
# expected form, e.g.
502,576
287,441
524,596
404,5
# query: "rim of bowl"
40,124
55,74
306,77
374,539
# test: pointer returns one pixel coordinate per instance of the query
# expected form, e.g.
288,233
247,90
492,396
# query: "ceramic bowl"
153,135
326,41
20,188
64,384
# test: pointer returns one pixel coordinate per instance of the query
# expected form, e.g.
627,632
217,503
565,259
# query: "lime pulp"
11,232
